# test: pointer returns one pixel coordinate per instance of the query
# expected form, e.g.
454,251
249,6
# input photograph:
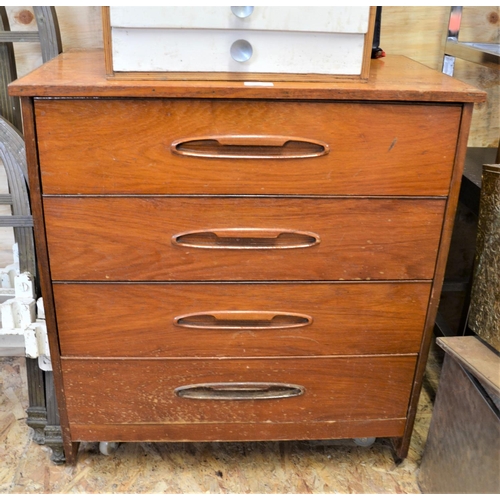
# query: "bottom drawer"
235,391
208,50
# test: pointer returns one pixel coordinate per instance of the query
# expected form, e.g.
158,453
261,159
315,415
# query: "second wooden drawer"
256,239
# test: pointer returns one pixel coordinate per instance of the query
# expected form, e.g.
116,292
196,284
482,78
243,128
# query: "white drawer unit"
238,43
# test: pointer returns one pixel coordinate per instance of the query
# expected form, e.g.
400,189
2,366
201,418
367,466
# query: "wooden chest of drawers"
231,262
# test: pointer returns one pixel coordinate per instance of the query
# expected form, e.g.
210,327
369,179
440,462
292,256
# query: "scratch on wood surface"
296,337
393,143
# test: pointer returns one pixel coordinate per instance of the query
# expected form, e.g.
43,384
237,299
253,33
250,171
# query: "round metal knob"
241,51
242,12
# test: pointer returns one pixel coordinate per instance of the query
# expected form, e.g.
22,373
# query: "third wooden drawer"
233,319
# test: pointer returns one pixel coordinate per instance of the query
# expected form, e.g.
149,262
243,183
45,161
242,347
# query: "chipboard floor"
239,468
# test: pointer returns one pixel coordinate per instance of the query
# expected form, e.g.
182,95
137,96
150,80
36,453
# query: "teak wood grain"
98,223
112,391
43,278
138,320
263,431
374,149
402,445
115,238
395,78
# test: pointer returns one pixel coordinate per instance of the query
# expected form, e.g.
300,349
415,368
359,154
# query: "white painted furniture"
256,42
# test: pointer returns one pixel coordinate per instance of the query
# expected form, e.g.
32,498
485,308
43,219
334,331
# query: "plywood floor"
292,467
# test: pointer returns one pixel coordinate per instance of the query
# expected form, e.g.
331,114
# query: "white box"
270,43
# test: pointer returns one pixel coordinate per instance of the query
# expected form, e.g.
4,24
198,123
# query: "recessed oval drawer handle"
239,391
250,147
246,239
237,320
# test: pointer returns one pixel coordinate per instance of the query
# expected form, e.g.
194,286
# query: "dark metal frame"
42,412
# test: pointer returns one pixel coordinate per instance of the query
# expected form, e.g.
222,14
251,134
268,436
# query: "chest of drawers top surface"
395,78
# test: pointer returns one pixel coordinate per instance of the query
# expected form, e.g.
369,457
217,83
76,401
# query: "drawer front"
163,146
230,320
184,239
326,19
181,50
231,391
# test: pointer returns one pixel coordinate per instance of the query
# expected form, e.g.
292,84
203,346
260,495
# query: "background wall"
417,32
420,33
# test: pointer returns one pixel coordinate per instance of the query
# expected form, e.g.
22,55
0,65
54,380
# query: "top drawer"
330,19
189,146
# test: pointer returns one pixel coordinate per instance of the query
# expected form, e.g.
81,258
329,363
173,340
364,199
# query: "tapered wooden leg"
400,449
